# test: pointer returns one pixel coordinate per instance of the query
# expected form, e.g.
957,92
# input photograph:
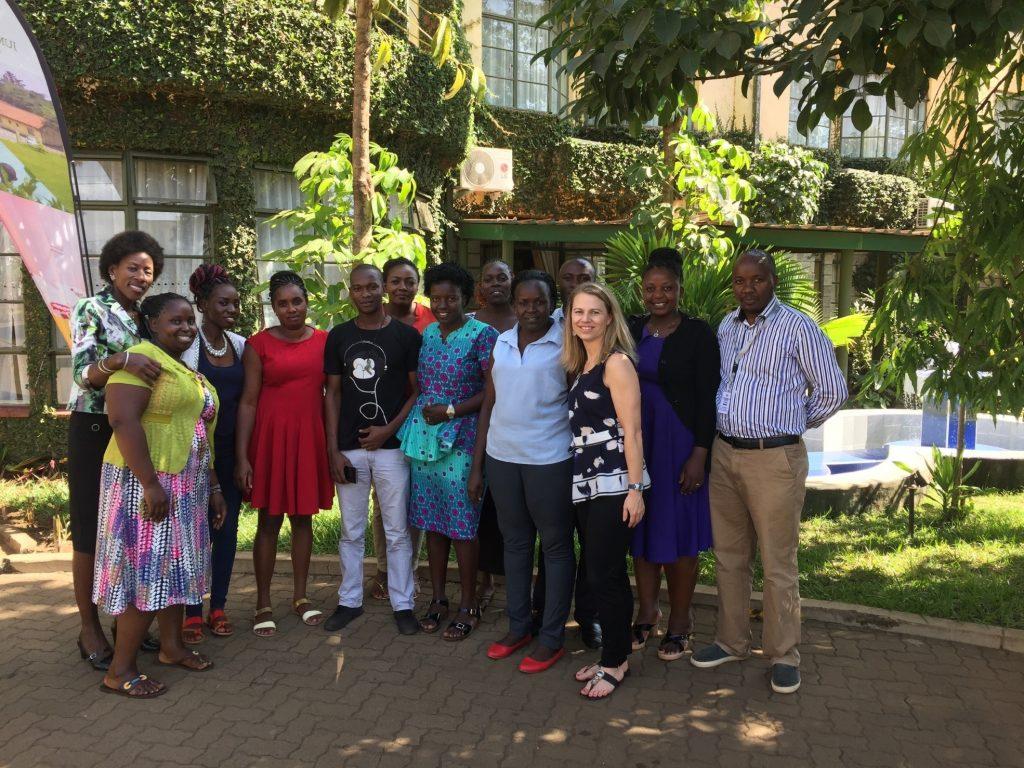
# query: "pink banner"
37,207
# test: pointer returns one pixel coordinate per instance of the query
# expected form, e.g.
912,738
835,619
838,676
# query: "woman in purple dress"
679,374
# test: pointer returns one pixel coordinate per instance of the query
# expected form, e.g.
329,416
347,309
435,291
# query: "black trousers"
605,542
88,435
492,547
584,610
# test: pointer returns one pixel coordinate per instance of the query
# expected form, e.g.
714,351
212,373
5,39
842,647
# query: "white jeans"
389,472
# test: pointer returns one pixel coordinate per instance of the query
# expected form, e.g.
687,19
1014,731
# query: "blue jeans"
224,541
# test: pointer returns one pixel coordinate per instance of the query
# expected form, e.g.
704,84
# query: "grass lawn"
970,572
49,167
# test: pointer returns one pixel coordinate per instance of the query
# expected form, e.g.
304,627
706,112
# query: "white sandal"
308,615
263,625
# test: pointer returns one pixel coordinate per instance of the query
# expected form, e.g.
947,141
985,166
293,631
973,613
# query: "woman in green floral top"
102,328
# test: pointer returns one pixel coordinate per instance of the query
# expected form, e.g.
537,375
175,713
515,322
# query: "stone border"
846,614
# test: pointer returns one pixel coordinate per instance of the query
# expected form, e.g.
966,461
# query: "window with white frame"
511,38
170,198
13,357
817,137
276,191
889,128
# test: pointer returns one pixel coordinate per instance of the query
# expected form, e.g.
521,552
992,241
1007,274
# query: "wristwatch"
635,486
450,412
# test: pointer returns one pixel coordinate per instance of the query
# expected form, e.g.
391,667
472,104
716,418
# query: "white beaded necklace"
210,348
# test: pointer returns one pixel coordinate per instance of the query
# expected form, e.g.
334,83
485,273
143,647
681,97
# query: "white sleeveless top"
530,419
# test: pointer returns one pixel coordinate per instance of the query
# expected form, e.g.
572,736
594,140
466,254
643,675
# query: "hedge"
865,199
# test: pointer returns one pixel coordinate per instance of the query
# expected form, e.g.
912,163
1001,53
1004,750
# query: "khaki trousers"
756,500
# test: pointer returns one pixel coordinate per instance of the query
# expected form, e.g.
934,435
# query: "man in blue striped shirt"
779,378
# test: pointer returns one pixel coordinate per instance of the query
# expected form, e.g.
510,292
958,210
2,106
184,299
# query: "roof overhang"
796,238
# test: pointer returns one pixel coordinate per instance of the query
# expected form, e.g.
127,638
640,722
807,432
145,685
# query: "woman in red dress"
281,447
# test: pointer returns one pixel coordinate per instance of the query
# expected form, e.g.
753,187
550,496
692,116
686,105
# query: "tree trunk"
362,185
668,154
957,499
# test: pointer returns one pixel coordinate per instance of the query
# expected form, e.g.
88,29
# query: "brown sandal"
379,590
129,688
192,630
193,661
219,624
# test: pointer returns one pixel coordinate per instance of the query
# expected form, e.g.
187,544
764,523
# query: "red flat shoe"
499,651
531,666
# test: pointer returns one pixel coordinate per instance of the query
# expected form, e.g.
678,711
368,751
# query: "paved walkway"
372,698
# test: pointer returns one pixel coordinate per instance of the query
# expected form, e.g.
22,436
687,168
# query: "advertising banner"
37,207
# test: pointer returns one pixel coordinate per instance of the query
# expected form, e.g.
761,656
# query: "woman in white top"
523,439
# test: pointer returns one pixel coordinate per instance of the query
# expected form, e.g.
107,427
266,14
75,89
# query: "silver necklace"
210,348
656,332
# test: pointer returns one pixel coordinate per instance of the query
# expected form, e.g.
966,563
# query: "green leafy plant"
696,187
789,182
947,484
707,277
324,226
858,198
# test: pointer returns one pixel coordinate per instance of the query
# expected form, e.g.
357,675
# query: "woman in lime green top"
157,482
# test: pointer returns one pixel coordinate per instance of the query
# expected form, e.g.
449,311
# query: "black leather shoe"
341,617
407,623
94,660
590,634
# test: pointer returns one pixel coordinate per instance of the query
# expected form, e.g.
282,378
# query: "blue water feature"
838,462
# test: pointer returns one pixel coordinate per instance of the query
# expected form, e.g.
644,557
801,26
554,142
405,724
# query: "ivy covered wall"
239,82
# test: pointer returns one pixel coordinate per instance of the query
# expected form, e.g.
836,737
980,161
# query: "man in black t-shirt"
370,363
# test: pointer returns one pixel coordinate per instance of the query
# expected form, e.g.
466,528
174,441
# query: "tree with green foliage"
324,225
954,307
435,36
631,62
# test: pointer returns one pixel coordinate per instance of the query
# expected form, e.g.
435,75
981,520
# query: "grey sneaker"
712,656
785,678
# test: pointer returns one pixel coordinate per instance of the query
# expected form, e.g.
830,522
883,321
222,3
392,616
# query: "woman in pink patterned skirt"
157,482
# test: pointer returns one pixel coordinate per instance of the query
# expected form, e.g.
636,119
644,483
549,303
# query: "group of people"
544,414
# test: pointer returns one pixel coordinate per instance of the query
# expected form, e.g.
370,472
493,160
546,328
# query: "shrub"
589,178
865,199
38,500
789,182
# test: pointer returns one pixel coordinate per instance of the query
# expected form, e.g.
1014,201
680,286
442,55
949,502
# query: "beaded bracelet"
215,489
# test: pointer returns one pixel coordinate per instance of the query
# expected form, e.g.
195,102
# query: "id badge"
723,403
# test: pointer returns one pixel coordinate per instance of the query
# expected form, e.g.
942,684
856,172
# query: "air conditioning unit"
487,170
928,210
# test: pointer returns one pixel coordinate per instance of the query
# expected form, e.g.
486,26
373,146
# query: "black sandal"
101,663
465,629
431,621
602,675
641,634
674,647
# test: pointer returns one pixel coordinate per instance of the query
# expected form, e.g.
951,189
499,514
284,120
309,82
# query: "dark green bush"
788,181
865,199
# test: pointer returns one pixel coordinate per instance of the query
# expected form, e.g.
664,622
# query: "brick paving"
372,698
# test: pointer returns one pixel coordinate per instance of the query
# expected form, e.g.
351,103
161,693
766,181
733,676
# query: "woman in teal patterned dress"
438,438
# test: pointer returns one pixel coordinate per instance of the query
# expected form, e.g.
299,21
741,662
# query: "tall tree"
435,37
